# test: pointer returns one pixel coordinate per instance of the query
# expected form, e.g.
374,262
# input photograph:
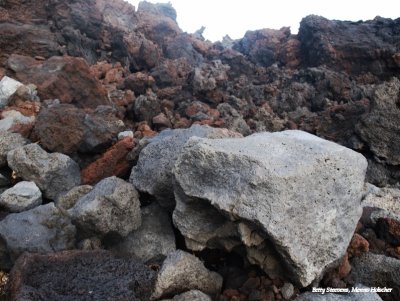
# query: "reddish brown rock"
65,78
388,229
358,245
139,82
113,162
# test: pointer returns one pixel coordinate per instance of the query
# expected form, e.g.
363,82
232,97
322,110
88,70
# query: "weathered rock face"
22,196
153,172
65,78
67,129
182,271
80,275
193,295
154,239
53,173
8,142
112,207
268,179
332,43
43,229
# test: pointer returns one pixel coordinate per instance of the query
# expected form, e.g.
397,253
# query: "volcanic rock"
154,239
22,196
111,207
275,171
8,142
8,87
182,271
53,173
68,200
193,295
65,78
42,229
153,172
80,275
14,121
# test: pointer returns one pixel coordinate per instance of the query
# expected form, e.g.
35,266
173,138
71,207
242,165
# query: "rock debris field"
141,162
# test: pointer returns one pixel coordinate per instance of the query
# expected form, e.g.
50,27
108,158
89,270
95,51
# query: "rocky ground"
140,162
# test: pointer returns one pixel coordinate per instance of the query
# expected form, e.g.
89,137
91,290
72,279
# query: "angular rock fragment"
80,275
53,173
301,191
69,199
154,239
111,207
42,229
153,172
8,87
9,141
22,196
182,271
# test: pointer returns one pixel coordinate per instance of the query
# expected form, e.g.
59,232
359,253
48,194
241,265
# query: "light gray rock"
287,290
8,87
9,141
111,207
42,229
154,239
69,199
376,270
53,173
125,134
193,295
352,296
13,118
181,272
153,172
22,196
302,191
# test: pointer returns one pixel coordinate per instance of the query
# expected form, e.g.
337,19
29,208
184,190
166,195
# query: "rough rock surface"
193,295
22,196
43,229
80,275
9,141
8,87
65,78
67,129
111,207
69,199
182,271
268,178
53,173
154,239
153,172
377,271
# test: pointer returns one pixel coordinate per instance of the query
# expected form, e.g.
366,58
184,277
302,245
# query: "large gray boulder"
111,207
22,196
153,172
9,141
154,239
43,229
181,272
53,173
377,270
301,191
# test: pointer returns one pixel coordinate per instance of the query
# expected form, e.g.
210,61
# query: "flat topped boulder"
303,192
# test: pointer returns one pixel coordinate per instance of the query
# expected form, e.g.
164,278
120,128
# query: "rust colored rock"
358,245
389,230
139,82
65,78
113,162
344,268
80,275
161,121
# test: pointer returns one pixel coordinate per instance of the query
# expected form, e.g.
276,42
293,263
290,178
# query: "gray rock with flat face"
154,239
361,295
53,173
153,172
9,141
377,271
42,229
22,196
181,272
302,191
8,87
111,207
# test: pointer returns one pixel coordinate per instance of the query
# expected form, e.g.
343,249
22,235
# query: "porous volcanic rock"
22,196
80,275
9,141
268,179
53,173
